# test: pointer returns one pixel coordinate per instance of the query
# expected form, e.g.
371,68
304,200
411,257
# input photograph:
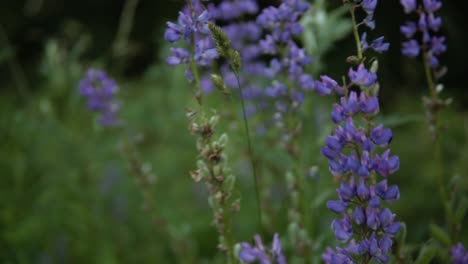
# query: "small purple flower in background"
262,254
428,25
459,254
100,91
288,59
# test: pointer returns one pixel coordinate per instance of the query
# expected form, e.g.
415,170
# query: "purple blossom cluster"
229,10
357,152
282,25
378,45
258,252
327,85
244,34
428,25
192,28
459,254
100,92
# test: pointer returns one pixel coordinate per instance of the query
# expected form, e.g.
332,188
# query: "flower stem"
356,33
125,27
250,149
429,77
437,152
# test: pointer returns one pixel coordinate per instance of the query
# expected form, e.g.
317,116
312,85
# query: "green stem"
429,77
228,234
125,27
437,146
356,33
250,149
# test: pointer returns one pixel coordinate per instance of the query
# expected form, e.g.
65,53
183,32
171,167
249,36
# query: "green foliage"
322,29
68,194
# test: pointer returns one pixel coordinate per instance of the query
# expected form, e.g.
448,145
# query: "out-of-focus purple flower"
100,91
262,254
408,29
326,85
410,48
428,24
409,5
229,10
459,254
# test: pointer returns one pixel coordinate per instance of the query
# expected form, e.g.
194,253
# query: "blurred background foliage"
68,194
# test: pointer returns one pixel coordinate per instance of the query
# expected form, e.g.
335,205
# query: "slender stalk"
429,77
144,184
437,153
250,149
356,33
228,233
125,27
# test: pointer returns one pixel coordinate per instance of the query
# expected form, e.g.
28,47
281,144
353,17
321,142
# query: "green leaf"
440,235
461,209
426,254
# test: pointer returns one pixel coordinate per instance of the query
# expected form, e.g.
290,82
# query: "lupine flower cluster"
358,152
327,85
100,91
192,28
262,254
353,152
459,254
431,46
243,35
428,25
282,24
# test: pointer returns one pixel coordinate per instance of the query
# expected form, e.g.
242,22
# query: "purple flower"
251,254
179,56
336,206
100,91
409,29
459,254
369,5
437,45
192,28
409,5
362,76
342,228
379,46
381,136
432,5
428,24
369,105
410,48
326,85
434,22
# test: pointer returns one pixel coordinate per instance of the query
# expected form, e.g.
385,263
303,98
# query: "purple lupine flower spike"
100,90
192,28
429,25
357,155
